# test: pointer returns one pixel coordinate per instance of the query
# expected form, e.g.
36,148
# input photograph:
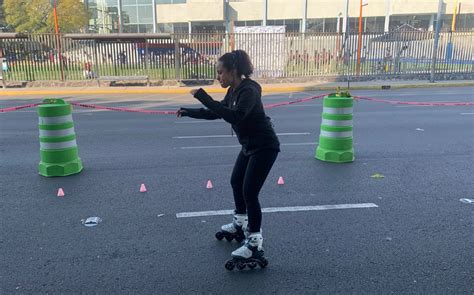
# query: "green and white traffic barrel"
335,139
58,147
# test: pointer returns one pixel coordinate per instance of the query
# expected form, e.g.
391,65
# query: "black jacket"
243,109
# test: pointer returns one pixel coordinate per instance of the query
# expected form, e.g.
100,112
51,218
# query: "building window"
130,28
165,28
181,28
137,16
208,27
291,25
321,25
465,21
145,14
145,28
374,24
248,23
417,21
129,15
104,16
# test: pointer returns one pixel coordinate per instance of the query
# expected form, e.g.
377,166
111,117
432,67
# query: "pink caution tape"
274,105
6,110
123,109
268,106
417,103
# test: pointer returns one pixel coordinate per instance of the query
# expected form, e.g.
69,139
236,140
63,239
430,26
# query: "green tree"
2,18
36,16
15,12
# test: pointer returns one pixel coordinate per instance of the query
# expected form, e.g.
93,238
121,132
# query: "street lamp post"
436,41
359,40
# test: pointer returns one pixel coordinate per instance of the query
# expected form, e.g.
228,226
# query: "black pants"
248,177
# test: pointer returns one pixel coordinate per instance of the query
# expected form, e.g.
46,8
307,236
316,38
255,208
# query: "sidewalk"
267,88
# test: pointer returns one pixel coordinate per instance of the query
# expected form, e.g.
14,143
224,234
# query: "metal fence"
193,56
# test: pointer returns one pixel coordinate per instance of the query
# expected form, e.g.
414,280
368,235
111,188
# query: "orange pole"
58,38
56,22
455,14
359,45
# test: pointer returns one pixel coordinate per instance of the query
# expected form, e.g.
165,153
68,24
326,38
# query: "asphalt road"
418,239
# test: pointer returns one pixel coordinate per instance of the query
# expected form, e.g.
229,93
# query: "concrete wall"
194,10
248,10
213,10
281,9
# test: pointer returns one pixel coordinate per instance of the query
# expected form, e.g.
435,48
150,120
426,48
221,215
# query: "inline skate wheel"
263,263
219,236
239,239
240,265
229,238
229,265
252,265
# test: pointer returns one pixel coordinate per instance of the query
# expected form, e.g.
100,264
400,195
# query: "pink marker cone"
281,181
209,184
60,192
142,188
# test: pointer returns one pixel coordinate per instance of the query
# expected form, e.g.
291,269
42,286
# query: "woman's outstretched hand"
181,112
193,91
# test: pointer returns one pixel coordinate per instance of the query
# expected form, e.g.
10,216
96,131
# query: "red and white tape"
6,110
274,105
417,103
92,106
267,106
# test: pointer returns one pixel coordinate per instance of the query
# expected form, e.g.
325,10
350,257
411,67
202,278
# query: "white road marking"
299,143
427,94
209,147
467,113
224,136
304,105
280,209
410,106
197,122
238,145
467,201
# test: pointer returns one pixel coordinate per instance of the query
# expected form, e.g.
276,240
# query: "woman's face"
224,76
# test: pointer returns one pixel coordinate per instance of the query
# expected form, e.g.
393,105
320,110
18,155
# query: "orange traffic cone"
142,188
209,184
60,192
281,181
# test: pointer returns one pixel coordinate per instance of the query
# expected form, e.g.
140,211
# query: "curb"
266,89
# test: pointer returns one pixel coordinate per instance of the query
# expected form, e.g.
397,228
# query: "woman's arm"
247,101
198,113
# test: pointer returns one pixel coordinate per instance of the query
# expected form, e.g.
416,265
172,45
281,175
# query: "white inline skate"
235,230
250,254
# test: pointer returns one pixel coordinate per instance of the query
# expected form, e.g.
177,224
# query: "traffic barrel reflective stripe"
55,120
56,133
337,111
328,122
336,134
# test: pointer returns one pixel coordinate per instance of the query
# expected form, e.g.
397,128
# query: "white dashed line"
200,122
280,209
236,146
225,136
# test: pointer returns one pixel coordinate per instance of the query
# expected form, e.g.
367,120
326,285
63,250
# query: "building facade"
198,16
